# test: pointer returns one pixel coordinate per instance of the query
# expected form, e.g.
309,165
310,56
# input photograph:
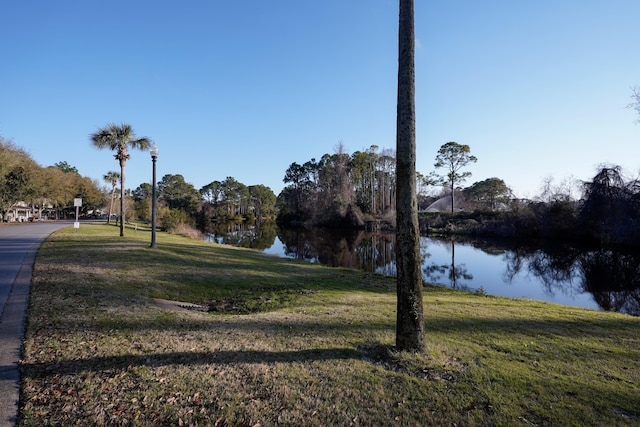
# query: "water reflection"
614,280
257,235
371,252
612,277
455,273
554,268
605,279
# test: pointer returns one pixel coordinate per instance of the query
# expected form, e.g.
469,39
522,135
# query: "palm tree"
410,316
119,138
112,177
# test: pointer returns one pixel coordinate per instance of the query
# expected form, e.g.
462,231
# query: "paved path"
18,246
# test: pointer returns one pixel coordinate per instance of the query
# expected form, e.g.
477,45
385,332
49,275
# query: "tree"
178,194
340,185
386,179
17,173
142,197
410,316
18,184
363,176
235,196
52,187
608,209
453,157
66,167
112,178
143,192
635,95
331,188
341,165
57,189
303,185
89,191
119,138
211,192
558,192
489,192
262,199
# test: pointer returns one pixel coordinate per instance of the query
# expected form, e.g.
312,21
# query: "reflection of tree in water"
612,277
375,252
614,280
297,244
258,235
554,269
371,252
454,273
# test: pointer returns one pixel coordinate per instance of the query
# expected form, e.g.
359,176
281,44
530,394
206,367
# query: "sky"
537,89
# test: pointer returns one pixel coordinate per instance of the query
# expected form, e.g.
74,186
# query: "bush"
170,219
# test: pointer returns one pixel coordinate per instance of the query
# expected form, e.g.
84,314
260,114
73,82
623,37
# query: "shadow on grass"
286,326
603,329
97,364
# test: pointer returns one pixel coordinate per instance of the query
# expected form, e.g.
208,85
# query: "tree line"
219,201
604,211
340,189
180,203
344,189
49,191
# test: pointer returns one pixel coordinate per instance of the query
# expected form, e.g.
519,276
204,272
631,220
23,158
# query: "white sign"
77,202
76,225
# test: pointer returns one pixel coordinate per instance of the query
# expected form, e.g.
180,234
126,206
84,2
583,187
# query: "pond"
597,279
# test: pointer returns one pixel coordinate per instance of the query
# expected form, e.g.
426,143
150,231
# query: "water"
604,280
494,272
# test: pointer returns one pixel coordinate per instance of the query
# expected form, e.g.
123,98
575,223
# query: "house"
23,212
19,212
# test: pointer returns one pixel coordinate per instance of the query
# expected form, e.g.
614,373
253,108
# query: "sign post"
77,203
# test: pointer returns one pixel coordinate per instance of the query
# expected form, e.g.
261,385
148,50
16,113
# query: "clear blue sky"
243,89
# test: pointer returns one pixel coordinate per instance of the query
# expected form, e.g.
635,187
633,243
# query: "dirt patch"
178,305
391,360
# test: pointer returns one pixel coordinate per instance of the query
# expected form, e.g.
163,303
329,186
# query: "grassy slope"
299,344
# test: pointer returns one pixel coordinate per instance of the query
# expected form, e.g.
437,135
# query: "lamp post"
153,150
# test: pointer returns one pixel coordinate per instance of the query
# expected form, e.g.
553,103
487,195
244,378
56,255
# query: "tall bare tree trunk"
410,316
113,193
452,195
122,163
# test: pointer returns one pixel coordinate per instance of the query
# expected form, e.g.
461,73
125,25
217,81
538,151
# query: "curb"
12,325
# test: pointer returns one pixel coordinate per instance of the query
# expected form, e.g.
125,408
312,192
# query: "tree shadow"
154,360
588,328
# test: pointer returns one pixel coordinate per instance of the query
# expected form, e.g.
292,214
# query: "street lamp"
153,150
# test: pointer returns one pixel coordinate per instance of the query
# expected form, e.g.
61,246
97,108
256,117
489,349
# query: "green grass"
281,342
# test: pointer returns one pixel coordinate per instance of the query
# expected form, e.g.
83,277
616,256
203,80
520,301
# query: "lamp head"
153,150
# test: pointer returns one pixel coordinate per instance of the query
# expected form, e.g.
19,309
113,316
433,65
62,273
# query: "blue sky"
243,89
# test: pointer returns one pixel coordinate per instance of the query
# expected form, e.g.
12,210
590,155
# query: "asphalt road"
19,244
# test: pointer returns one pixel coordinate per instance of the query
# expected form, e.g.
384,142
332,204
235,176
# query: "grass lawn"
273,341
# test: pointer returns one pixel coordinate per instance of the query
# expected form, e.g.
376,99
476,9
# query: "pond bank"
550,272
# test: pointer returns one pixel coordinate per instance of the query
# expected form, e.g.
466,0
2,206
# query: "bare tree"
635,95
342,174
410,316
